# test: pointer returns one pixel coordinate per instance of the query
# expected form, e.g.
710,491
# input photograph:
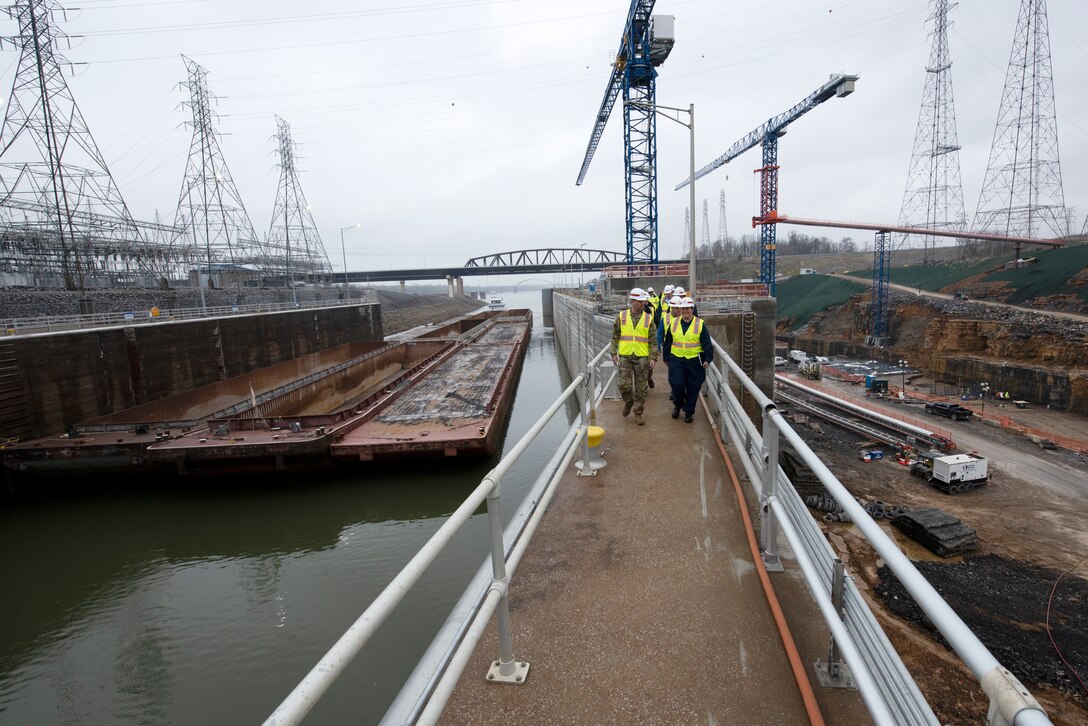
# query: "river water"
183,602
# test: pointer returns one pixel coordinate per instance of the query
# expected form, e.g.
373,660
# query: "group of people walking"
668,324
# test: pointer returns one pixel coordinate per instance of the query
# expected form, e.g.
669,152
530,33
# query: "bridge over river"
519,262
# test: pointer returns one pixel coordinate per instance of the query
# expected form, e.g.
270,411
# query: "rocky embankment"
1034,356
400,311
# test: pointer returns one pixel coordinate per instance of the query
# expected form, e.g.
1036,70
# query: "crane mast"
645,43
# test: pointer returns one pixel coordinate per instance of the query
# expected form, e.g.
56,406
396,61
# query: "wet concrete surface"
638,600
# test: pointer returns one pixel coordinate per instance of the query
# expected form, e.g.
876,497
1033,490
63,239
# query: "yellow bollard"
593,460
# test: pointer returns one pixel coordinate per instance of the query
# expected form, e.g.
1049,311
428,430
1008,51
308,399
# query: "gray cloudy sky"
454,128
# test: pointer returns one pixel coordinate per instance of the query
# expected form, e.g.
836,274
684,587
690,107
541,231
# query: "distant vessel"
494,302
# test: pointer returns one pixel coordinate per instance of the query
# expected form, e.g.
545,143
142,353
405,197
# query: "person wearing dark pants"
687,351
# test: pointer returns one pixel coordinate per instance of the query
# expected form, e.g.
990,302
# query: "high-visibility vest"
685,344
634,335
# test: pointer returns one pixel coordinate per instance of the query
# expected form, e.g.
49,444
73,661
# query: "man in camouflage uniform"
634,352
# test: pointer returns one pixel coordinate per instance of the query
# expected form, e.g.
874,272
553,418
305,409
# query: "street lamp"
343,251
903,370
690,111
581,265
985,389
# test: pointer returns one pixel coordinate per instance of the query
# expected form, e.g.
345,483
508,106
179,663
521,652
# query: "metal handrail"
506,550
883,681
886,686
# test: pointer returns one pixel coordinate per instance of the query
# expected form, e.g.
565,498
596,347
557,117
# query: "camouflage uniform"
633,371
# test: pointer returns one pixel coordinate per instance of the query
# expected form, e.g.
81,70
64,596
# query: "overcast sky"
449,129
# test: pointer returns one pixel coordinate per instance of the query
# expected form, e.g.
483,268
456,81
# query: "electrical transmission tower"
293,236
62,218
1022,192
723,229
705,240
210,210
934,196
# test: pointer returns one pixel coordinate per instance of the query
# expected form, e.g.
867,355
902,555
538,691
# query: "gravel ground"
1030,539
1008,605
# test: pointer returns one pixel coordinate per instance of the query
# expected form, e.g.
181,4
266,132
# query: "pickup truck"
951,410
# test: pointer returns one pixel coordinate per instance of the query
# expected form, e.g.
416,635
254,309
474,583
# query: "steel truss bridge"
518,262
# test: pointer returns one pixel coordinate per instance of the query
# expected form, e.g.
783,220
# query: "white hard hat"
687,302
678,290
674,300
649,289
637,293
669,288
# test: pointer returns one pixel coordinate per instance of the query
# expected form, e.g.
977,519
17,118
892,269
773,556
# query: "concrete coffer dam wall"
55,380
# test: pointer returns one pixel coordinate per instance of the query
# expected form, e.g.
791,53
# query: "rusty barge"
437,391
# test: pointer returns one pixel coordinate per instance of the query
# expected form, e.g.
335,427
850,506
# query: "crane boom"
639,13
839,85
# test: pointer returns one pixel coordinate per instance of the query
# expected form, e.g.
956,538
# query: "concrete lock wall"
56,380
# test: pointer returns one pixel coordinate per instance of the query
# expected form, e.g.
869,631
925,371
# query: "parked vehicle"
779,360
953,411
798,356
810,369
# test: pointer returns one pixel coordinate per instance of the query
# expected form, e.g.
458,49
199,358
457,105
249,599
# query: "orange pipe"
796,665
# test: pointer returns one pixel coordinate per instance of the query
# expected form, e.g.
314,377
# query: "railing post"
591,460
505,669
768,527
835,673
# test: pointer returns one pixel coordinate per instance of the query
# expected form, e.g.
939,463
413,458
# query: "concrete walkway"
638,601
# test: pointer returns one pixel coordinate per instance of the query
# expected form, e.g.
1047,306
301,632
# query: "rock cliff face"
1035,357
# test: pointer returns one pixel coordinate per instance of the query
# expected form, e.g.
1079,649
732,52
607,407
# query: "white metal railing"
880,676
885,685
429,687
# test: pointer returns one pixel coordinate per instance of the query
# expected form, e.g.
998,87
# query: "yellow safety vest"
634,337
686,344
667,317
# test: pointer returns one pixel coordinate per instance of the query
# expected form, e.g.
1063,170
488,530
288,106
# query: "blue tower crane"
840,85
645,43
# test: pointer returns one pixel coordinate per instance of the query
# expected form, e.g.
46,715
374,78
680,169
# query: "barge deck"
457,410
445,391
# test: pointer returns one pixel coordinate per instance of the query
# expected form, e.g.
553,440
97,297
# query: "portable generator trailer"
952,474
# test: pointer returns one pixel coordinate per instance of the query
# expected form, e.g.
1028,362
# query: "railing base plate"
834,675
521,672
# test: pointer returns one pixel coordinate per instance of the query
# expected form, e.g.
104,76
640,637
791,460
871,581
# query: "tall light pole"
581,265
690,125
985,389
344,253
903,370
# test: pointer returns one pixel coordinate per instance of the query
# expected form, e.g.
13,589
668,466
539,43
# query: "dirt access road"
1031,522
